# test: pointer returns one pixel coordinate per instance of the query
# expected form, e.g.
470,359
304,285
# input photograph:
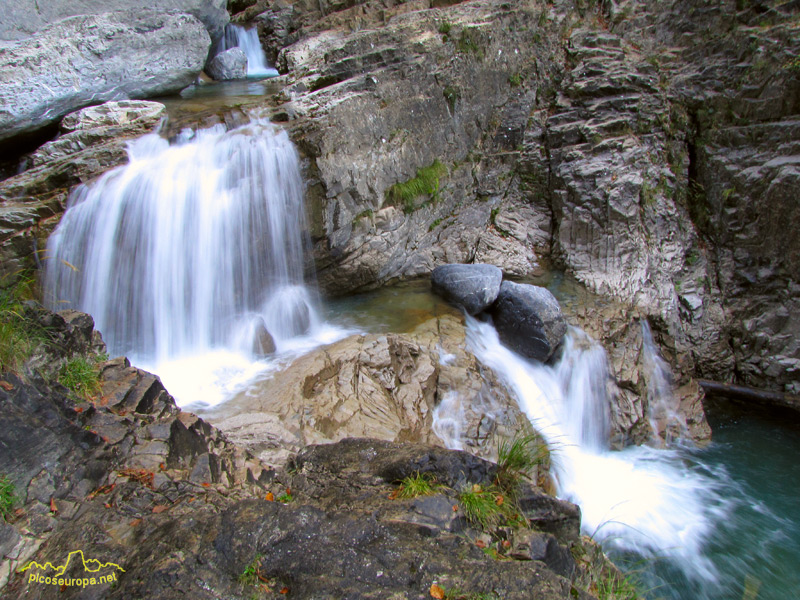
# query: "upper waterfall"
247,40
191,246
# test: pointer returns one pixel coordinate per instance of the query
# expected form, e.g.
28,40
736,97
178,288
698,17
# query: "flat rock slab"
528,319
472,287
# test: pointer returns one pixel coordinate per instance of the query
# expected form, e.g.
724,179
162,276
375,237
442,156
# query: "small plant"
19,336
445,27
80,375
251,574
518,457
286,497
468,42
418,484
451,94
8,497
490,507
426,183
515,80
615,586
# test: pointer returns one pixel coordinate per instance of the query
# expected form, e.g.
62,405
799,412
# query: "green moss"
445,27
515,80
81,375
452,95
8,497
425,183
469,42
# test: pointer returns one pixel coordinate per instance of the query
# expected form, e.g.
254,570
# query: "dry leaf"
476,488
53,507
205,484
455,507
499,500
284,590
437,592
135,522
162,466
269,497
6,386
78,409
480,544
506,544
159,508
107,505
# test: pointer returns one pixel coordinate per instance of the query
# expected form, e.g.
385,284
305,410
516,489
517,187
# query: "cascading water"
642,500
186,255
247,39
664,416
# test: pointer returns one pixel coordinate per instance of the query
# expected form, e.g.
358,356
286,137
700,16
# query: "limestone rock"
230,64
528,319
88,59
388,387
472,287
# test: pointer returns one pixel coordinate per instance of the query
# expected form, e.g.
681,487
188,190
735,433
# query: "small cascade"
642,500
193,249
663,412
247,39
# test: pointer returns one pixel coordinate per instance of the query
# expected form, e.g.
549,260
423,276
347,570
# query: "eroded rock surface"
472,287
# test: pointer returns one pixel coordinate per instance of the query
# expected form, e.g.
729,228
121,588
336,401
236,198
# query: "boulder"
98,124
472,287
528,319
230,64
24,18
263,342
89,59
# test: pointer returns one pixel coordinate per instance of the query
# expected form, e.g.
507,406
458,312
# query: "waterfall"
664,416
247,40
643,500
192,248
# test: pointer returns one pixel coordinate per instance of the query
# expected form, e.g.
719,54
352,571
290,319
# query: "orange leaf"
284,590
135,522
53,507
159,508
480,544
63,587
6,386
499,500
437,592
506,544
455,507
107,505
269,497
105,439
162,466
78,409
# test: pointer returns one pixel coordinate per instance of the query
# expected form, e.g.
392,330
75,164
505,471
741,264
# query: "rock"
98,124
107,56
377,386
472,287
27,17
528,319
229,64
263,342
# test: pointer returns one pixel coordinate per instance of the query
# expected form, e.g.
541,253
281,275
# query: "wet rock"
472,287
528,319
263,342
229,64
114,60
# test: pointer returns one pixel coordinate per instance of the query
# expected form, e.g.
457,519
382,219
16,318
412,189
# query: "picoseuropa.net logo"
49,574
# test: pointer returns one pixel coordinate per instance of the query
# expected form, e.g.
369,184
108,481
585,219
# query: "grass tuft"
426,183
519,457
490,507
81,375
19,337
418,484
8,497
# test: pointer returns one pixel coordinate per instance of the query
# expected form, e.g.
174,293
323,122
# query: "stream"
186,256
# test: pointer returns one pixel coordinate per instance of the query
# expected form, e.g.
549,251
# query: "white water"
247,39
642,499
181,253
664,415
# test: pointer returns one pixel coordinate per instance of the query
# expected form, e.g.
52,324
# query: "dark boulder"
528,319
472,287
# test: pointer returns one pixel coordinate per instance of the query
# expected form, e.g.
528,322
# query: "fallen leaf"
159,508
269,497
143,476
437,592
63,587
506,544
394,494
476,488
284,590
78,409
455,507
135,522
205,484
107,505
6,386
288,491
105,439
499,500
480,544
162,466
53,507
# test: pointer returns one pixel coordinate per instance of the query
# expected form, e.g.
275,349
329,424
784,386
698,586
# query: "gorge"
264,248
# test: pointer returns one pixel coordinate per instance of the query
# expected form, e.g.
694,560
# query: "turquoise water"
755,547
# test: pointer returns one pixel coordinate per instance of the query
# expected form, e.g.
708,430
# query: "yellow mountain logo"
50,574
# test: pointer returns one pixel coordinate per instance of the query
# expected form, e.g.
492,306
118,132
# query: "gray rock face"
24,18
230,64
473,287
88,59
528,319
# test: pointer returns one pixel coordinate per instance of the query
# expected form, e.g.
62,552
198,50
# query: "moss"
8,497
515,80
445,27
469,42
452,95
425,183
